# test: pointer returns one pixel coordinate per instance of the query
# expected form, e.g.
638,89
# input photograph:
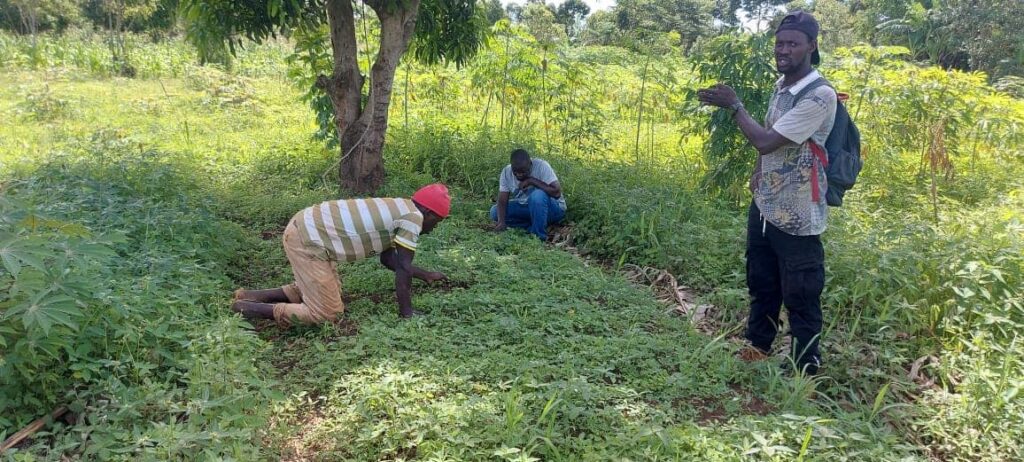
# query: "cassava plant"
744,63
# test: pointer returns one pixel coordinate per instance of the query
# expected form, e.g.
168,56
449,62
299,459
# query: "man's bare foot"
253,310
262,296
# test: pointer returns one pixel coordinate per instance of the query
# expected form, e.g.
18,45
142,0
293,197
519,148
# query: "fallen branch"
917,374
32,428
668,290
682,299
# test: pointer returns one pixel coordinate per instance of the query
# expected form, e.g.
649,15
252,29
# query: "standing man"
529,196
785,258
318,237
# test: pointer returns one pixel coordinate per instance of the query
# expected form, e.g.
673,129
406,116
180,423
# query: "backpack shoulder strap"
811,86
819,153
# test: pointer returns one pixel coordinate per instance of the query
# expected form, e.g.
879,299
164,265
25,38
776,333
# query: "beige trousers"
315,296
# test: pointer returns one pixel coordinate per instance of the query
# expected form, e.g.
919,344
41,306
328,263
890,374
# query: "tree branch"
396,31
341,18
323,82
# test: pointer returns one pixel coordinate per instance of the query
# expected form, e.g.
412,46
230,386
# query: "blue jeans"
540,211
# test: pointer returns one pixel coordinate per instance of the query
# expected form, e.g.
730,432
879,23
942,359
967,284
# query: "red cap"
435,198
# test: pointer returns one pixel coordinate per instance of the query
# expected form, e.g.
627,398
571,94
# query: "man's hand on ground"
500,227
413,314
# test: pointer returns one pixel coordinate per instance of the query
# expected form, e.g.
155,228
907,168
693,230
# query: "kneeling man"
529,196
318,237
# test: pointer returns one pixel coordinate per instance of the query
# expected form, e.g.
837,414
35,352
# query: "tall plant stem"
504,82
405,105
570,99
487,110
640,111
544,96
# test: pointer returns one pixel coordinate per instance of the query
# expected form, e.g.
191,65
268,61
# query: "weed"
43,106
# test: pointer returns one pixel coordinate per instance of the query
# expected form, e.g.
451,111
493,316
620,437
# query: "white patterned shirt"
782,179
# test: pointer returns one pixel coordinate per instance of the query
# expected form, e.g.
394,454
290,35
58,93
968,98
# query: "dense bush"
111,272
82,52
48,15
154,17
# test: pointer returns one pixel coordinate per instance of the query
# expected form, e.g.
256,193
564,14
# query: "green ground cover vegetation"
132,207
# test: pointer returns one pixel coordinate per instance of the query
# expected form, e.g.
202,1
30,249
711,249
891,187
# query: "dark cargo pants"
784,269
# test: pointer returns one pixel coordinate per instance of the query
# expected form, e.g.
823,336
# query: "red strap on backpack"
819,153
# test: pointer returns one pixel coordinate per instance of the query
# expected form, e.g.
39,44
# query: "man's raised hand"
718,95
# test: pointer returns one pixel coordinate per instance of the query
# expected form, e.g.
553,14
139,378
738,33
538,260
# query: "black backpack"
843,148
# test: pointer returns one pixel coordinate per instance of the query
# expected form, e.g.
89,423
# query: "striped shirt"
358,228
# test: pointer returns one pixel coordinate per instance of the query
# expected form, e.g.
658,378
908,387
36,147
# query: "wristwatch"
736,107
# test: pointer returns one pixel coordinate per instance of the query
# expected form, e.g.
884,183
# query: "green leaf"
18,251
506,451
879,400
10,262
46,309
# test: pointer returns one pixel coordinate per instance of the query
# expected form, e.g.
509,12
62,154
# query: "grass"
573,363
530,353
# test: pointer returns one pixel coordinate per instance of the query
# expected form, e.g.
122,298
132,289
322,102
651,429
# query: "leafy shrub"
90,52
111,271
50,267
1012,85
42,105
744,63
658,220
222,89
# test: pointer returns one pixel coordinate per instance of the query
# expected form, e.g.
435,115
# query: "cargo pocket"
802,281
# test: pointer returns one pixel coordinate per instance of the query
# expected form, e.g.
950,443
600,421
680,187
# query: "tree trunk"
29,20
361,130
364,170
